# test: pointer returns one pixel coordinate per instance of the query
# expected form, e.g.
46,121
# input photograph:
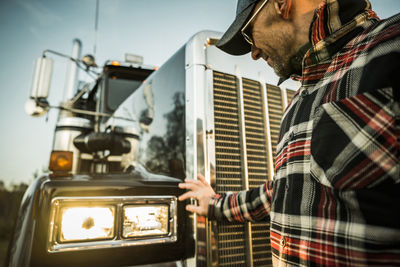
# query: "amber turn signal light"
61,161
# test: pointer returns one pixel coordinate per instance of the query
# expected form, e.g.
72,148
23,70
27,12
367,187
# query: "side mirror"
37,104
41,78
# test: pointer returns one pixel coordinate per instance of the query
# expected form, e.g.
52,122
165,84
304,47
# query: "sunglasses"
247,36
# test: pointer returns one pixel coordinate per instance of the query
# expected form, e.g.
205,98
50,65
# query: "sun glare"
79,223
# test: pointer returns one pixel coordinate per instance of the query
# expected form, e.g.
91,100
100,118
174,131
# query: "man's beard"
282,56
282,66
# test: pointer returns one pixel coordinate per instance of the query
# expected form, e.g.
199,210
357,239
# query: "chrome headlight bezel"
54,244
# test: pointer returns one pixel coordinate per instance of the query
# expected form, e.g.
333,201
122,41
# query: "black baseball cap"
232,42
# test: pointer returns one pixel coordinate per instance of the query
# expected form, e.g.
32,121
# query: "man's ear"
283,7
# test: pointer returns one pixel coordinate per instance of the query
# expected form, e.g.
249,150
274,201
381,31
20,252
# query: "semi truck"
123,143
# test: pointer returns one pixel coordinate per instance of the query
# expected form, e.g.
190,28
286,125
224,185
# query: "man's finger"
191,186
191,181
187,195
195,209
182,185
202,179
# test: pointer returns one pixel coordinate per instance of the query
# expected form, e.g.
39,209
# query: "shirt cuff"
214,211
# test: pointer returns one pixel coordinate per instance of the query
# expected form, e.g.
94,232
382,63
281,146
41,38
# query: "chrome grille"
256,148
275,112
230,236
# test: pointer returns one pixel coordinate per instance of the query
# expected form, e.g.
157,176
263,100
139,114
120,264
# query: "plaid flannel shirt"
335,197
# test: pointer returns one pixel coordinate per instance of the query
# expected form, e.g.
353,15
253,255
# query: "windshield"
119,89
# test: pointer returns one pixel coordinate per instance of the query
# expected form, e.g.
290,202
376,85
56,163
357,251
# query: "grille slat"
257,169
290,94
230,237
275,113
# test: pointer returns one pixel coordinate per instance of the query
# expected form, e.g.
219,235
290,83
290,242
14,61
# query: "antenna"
96,23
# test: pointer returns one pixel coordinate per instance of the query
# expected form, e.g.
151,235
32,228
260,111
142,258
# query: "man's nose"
255,53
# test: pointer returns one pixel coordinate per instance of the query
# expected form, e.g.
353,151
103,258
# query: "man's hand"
199,190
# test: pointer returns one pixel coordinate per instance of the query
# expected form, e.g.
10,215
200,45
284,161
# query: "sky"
154,29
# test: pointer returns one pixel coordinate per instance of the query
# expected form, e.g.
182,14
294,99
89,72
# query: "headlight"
145,220
98,222
84,223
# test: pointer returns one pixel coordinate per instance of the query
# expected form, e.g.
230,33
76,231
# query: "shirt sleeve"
251,205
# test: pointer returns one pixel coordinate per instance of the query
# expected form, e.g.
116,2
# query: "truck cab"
121,147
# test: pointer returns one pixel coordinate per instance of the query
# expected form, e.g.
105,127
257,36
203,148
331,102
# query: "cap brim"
232,42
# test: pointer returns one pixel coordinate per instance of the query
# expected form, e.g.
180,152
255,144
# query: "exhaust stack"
71,79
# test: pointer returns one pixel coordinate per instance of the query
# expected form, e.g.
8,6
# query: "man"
335,197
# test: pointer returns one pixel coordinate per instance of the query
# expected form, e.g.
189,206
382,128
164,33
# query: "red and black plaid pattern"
335,198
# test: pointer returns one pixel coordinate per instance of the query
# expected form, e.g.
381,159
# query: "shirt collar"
332,15
334,24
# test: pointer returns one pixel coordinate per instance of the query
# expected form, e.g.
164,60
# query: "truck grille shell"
237,170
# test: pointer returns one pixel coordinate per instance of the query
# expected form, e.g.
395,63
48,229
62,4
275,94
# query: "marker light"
115,63
61,161
86,223
146,220
131,58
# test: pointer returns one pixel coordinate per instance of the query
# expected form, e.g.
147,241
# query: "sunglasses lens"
247,38
247,35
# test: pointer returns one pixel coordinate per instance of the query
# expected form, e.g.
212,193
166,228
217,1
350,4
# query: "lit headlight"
145,220
86,223
97,222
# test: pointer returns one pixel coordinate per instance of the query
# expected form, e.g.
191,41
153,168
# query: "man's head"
271,29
